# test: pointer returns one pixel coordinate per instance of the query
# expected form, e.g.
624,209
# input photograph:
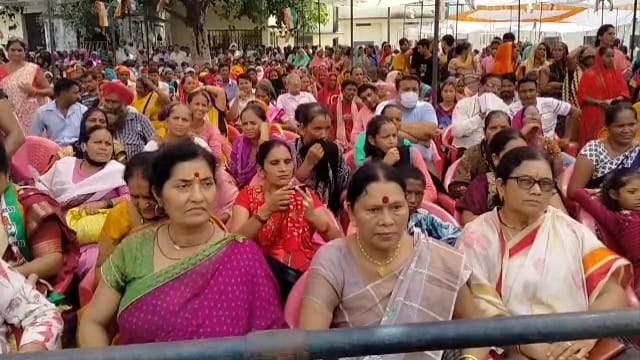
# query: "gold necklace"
508,226
178,247
382,265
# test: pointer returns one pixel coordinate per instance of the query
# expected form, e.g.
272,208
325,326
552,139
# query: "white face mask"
409,99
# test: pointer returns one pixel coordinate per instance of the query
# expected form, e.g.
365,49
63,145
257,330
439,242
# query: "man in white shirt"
133,52
177,55
549,109
289,102
467,123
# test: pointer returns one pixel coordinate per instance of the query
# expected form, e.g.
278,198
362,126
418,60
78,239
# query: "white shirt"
467,122
290,102
154,146
549,109
178,57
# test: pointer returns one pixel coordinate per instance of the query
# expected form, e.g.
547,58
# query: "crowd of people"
184,201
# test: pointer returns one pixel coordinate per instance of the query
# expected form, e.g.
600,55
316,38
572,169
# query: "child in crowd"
420,219
617,213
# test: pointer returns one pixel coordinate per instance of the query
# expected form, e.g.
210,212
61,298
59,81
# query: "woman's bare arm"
582,173
313,314
14,137
466,308
243,223
612,296
92,329
43,88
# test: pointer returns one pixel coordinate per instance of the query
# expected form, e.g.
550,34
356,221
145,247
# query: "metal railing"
243,38
335,343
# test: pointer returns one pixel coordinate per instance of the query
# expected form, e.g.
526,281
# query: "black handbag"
285,275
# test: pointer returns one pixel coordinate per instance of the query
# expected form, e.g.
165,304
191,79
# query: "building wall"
6,33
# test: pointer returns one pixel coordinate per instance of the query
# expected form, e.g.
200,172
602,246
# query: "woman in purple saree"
187,278
207,295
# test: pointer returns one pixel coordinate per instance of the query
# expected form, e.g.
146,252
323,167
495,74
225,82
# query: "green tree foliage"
259,11
308,15
80,16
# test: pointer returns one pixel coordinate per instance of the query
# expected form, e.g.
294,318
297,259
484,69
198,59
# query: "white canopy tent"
560,17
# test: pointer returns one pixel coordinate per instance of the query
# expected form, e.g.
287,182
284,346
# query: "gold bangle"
518,350
468,357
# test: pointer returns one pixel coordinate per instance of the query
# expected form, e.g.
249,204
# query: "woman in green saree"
187,278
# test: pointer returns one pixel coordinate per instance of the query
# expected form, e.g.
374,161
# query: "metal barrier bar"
335,343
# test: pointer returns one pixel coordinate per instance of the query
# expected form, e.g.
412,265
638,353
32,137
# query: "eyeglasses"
526,183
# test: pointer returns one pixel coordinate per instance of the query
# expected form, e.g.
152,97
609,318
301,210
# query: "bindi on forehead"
385,199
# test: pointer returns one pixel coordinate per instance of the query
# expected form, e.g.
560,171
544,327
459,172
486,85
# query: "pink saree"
226,289
24,106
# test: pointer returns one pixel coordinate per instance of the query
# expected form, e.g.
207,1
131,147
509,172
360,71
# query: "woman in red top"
599,86
617,212
280,217
330,91
343,113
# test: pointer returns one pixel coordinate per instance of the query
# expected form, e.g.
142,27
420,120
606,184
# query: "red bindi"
196,175
385,199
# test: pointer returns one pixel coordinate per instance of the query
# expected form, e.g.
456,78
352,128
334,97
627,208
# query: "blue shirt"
60,129
423,112
231,89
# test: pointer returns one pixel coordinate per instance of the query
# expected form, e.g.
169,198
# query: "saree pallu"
226,289
24,106
554,265
39,207
424,290
58,182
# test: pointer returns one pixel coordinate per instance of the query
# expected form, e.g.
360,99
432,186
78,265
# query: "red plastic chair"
632,298
563,182
438,161
447,203
448,176
37,152
447,136
447,143
290,135
350,158
440,213
294,302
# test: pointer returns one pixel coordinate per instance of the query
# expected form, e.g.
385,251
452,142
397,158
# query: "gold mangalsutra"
179,247
382,265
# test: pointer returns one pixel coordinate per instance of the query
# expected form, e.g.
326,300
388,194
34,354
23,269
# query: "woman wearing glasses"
482,194
530,258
